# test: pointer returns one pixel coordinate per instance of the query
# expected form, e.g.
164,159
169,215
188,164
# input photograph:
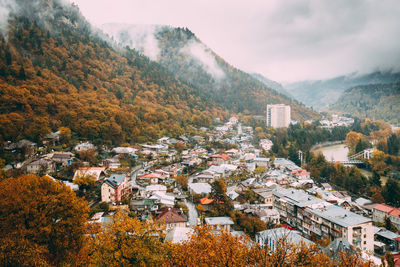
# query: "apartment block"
315,217
278,116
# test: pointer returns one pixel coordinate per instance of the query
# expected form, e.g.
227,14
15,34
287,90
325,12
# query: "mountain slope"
182,53
272,84
378,102
320,94
54,71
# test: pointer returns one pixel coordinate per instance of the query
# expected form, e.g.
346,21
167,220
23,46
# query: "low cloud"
203,56
284,40
140,37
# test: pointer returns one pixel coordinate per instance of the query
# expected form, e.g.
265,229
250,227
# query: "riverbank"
326,144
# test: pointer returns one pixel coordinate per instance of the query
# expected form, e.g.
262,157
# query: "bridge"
357,158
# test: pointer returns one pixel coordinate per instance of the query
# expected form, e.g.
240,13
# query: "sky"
284,40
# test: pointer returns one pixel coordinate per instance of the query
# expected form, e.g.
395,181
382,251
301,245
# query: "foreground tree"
41,223
127,242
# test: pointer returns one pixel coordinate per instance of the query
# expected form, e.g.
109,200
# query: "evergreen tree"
376,179
391,192
21,74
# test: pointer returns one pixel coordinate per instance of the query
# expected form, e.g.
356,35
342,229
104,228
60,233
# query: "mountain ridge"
182,53
319,94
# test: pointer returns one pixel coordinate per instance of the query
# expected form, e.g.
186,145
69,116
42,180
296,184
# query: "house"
170,217
156,187
274,238
390,239
264,195
219,159
112,163
162,199
83,147
300,174
199,188
326,186
115,188
151,177
264,162
205,177
232,194
65,158
96,172
41,166
219,223
382,211
206,202
232,152
337,246
268,215
125,151
51,138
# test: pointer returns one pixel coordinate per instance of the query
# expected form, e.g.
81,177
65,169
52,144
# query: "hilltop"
183,54
376,101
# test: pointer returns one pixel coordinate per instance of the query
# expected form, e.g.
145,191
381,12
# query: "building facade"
315,217
278,116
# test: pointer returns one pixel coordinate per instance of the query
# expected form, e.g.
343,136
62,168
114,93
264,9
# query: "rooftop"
218,221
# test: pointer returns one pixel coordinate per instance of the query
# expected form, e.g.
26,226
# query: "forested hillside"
182,53
378,102
54,71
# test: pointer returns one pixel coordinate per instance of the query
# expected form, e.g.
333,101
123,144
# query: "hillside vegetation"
377,102
54,71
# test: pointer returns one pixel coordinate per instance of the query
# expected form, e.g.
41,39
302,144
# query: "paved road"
193,216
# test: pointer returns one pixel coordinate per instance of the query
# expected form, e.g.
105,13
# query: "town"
218,177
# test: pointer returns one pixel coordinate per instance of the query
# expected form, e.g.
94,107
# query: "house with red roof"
171,217
300,174
152,178
382,211
219,159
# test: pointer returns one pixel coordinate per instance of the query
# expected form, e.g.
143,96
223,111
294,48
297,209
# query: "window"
365,236
365,242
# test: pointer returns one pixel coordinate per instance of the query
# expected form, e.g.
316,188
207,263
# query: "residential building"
313,216
273,238
219,223
65,158
278,116
115,188
382,211
170,217
41,166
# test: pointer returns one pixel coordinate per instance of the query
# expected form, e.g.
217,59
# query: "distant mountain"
272,84
376,101
184,55
320,94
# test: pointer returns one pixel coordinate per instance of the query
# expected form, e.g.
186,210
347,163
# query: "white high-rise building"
278,116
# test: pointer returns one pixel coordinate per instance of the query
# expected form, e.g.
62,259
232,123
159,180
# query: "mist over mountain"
184,55
322,93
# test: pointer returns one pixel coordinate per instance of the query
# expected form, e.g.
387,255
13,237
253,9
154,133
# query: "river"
336,152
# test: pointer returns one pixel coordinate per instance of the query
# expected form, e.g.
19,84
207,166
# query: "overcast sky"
284,40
